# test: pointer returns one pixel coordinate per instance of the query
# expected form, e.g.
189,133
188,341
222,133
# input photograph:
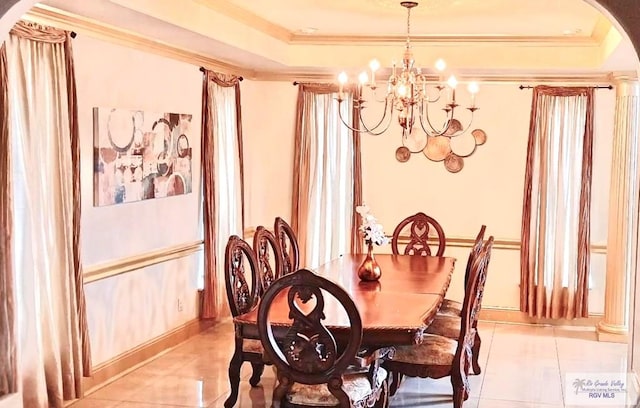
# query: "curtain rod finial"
73,34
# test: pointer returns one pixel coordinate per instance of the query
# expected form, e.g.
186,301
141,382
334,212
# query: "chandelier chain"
408,27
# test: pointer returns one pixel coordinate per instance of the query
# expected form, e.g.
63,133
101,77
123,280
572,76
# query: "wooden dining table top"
395,310
400,273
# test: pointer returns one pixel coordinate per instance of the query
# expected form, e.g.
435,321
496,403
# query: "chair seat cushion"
446,326
356,386
450,308
252,346
434,350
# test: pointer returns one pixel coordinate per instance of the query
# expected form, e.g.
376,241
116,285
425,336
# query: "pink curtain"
327,176
555,258
8,373
216,131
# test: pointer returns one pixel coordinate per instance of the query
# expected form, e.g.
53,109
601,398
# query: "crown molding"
605,78
564,41
52,16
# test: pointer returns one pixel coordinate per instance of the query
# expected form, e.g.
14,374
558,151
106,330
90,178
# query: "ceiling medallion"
410,93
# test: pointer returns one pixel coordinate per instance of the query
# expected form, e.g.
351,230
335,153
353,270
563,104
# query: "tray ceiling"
285,38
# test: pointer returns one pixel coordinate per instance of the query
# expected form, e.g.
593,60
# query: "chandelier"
410,93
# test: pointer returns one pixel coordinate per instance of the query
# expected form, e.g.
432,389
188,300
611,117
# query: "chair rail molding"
95,273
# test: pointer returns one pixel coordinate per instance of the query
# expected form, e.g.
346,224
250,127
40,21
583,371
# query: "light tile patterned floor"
523,366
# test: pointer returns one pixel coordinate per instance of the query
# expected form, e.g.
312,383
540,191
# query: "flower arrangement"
372,230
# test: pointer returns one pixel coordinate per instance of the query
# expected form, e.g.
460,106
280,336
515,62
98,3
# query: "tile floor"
523,366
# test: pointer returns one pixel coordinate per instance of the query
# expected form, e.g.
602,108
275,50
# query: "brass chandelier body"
410,94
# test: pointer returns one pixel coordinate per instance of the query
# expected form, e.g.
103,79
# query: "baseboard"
508,315
131,359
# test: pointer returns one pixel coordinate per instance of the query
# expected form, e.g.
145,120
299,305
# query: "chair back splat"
288,245
421,229
242,288
265,246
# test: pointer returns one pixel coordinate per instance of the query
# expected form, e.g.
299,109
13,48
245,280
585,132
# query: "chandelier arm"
464,129
374,130
424,113
366,130
377,125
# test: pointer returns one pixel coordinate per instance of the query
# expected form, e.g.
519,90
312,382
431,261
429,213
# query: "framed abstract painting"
140,155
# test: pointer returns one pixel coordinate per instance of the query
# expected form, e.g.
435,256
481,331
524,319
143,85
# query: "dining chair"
243,290
419,228
265,246
312,369
448,325
288,246
438,356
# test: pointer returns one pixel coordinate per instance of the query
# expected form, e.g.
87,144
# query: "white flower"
373,231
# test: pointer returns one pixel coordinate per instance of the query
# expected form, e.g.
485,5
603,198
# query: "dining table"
395,310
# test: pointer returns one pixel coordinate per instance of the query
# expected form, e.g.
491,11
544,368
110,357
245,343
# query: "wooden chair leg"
460,393
258,369
395,383
280,391
475,354
234,375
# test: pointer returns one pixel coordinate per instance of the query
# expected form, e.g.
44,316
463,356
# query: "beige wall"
487,191
127,310
268,119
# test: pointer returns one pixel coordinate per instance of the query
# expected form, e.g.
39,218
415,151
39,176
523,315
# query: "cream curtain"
8,367
556,220
223,182
325,164
53,350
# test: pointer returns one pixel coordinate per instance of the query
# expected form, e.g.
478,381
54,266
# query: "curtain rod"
595,87
202,69
73,34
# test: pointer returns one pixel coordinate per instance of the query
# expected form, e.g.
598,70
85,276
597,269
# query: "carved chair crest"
421,228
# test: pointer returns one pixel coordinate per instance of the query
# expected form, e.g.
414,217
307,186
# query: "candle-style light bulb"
401,90
342,79
374,65
363,78
473,90
452,82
